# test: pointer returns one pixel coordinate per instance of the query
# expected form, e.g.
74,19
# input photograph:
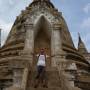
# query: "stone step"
52,88
51,77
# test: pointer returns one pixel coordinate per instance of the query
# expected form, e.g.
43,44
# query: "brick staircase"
52,78
54,81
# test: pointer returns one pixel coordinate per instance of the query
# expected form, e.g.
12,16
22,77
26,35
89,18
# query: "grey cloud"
87,8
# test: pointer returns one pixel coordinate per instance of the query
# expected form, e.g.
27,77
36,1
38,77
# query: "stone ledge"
75,88
14,88
55,88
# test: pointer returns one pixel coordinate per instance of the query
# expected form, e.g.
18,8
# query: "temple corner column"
25,78
29,42
56,47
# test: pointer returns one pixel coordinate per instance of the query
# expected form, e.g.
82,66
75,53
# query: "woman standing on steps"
41,65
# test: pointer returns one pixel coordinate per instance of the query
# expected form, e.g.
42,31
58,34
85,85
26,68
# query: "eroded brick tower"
41,25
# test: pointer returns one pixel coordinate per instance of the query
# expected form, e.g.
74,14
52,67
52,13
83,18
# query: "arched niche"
42,38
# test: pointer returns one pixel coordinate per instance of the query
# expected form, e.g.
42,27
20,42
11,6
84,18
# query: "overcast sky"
75,12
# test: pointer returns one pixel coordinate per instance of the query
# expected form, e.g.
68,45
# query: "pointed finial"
80,40
81,45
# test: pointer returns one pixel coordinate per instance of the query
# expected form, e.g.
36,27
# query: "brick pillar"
24,78
56,48
17,78
29,42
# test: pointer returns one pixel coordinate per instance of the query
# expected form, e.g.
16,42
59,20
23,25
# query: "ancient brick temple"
41,25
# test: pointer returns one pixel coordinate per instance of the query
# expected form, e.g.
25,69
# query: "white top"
41,60
72,66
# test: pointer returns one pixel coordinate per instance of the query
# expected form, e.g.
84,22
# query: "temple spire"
81,46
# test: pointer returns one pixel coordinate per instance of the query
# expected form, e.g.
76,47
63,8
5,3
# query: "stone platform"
40,88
